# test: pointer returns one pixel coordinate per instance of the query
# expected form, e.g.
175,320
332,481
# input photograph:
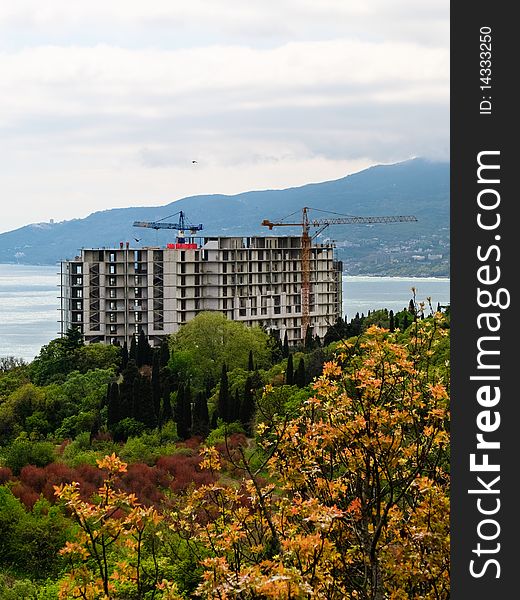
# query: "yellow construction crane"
320,224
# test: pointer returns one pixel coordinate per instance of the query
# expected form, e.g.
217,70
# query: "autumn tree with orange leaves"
357,505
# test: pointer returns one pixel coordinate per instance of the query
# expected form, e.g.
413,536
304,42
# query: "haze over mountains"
417,187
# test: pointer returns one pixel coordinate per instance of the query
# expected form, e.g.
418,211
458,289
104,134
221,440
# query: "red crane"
320,224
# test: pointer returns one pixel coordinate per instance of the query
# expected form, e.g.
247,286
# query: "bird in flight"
137,240
194,162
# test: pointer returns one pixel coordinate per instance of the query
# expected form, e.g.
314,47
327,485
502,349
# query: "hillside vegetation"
225,464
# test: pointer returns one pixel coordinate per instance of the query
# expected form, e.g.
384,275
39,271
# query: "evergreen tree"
308,342
156,385
144,350
73,340
132,354
182,413
164,352
285,350
143,402
113,408
300,378
124,356
250,363
126,390
275,346
396,322
166,410
406,321
223,408
247,408
235,407
392,321
200,416
289,371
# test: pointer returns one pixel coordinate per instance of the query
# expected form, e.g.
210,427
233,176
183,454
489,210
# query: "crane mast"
320,224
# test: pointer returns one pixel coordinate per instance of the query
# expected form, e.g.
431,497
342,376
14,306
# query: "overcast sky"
106,103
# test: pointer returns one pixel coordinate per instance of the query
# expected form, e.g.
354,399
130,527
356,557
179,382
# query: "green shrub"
25,452
218,435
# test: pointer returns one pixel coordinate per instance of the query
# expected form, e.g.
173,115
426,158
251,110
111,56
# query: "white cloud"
106,103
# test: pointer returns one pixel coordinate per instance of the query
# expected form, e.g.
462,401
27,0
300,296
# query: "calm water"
29,303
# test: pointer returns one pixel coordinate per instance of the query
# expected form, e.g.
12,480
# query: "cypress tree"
166,410
126,389
396,322
235,408
223,396
124,356
392,321
285,351
156,385
132,354
143,403
300,378
181,413
406,322
164,352
308,343
247,408
289,371
200,416
144,350
113,409
250,363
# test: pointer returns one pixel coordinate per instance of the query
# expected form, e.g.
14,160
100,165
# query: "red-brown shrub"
143,481
185,471
27,496
5,474
33,477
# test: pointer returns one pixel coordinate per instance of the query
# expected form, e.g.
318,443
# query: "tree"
72,340
126,389
143,408
300,377
308,342
164,353
114,409
200,416
156,385
144,350
289,371
250,363
285,349
132,354
392,321
203,344
166,409
223,402
124,356
182,413
247,408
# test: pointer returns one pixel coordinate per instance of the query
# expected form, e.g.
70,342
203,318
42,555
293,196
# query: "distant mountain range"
417,187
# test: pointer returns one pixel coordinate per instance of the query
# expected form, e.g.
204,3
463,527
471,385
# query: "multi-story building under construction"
111,294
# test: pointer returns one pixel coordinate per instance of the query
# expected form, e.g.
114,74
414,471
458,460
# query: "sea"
29,302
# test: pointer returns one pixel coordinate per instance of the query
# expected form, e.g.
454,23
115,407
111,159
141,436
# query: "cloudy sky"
106,103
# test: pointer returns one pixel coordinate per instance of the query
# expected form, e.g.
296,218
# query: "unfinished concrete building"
111,294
